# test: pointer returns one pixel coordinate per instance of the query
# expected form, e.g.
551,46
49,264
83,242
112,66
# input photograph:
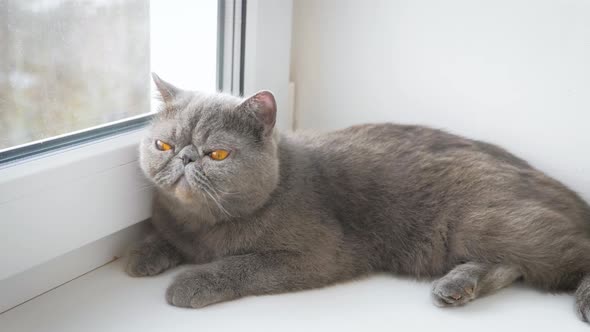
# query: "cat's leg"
583,299
471,280
237,276
153,256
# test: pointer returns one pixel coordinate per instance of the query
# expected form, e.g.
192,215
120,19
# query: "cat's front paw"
197,289
142,264
453,290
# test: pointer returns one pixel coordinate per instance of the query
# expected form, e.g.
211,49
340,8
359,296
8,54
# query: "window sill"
107,299
56,203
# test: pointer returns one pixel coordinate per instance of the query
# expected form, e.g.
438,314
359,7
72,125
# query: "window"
69,70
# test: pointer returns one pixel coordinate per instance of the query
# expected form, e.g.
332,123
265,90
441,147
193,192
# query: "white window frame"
57,209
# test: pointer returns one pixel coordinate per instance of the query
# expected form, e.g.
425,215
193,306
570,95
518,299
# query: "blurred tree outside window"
70,65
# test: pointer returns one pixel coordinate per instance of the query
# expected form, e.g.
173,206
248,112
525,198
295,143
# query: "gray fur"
287,212
583,299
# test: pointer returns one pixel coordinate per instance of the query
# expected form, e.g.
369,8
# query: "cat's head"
213,153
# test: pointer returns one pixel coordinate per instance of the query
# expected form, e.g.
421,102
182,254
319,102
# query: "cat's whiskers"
165,179
217,191
145,186
226,192
207,202
206,183
216,201
207,188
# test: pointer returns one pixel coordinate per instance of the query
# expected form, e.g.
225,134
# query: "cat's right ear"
167,90
264,106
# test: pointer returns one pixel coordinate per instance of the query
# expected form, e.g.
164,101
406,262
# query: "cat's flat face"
212,152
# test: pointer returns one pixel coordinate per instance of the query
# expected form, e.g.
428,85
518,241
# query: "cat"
257,212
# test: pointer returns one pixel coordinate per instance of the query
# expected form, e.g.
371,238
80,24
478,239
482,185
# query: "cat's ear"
264,106
167,90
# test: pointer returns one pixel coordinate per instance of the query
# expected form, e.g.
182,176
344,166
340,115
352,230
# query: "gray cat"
256,212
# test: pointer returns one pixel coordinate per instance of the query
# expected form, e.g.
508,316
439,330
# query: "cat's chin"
182,191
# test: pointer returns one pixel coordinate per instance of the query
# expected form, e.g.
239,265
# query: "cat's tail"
583,299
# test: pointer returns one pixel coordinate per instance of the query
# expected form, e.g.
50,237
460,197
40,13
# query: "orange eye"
163,146
218,154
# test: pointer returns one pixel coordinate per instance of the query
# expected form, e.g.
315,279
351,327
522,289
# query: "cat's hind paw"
583,300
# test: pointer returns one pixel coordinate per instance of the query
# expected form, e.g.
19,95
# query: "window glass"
67,66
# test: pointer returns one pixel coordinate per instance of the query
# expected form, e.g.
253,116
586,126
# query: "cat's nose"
188,155
186,159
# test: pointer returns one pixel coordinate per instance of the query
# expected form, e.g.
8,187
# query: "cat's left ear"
167,90
264,106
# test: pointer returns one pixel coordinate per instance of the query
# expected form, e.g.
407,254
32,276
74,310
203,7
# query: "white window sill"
56,203
107,299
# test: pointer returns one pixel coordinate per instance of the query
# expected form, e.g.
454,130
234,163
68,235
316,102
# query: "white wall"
268,46
511,72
